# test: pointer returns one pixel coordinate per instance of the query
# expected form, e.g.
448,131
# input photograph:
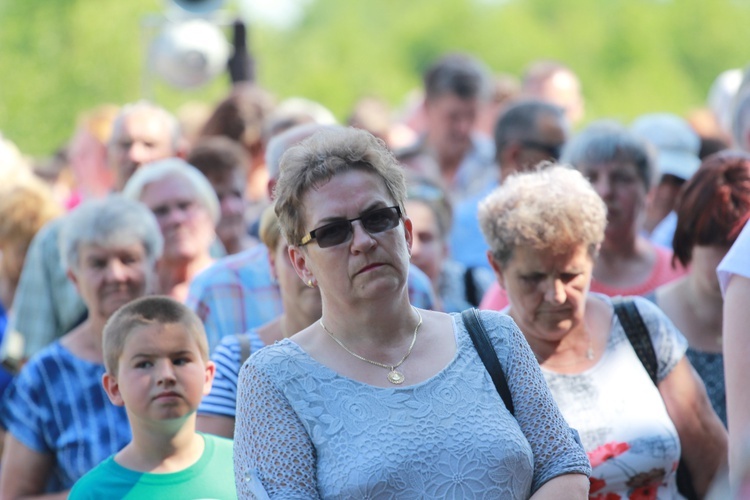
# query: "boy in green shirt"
156,356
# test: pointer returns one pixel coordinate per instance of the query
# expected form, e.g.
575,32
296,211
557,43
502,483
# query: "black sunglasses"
552,150
336,233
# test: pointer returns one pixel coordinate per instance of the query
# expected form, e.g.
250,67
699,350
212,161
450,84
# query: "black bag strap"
244,341
637,334
488,355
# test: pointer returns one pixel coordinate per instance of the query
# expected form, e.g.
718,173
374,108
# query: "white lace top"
303,431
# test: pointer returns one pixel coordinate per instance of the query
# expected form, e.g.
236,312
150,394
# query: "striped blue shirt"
222,400
57,405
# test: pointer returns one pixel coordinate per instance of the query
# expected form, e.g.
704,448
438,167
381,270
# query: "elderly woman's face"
184,222
109,277
366,264
547,291
622,190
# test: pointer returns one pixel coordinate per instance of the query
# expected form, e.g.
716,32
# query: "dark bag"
488,356
638,335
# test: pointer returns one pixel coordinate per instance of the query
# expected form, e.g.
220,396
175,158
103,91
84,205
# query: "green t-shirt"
211,477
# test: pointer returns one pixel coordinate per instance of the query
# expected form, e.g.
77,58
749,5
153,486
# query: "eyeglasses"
336,233
552,150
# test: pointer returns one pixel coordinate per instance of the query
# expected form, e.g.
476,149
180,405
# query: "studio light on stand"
185,47
196,7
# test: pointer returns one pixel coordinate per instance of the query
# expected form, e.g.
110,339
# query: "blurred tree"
64,56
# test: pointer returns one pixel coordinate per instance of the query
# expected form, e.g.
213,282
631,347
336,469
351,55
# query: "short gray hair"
173,125
114,220
608,141
174,167
553,208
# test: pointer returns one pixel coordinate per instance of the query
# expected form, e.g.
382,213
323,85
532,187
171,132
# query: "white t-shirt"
737,260
619,413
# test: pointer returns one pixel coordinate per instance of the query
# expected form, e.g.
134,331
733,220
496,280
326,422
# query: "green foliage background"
59,57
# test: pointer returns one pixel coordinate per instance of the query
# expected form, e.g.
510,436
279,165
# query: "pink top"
663,272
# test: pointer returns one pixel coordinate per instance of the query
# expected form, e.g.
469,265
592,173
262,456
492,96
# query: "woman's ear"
298,258
408,233
497,268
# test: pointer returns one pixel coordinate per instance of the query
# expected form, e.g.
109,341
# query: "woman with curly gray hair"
620,168
545,229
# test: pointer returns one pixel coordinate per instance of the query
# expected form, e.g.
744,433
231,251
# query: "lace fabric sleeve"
556,451
271,444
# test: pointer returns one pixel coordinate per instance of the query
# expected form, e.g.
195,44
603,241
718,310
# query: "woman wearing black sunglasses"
379,399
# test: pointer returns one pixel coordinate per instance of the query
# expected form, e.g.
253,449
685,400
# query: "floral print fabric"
620,415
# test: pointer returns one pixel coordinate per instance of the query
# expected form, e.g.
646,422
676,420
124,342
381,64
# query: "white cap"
677,144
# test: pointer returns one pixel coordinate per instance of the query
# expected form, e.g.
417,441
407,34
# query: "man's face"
450,120
143,136
544,145
564,89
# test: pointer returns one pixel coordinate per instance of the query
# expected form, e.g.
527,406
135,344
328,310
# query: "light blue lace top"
303,431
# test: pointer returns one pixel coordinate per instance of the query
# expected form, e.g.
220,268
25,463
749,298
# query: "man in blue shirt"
526,134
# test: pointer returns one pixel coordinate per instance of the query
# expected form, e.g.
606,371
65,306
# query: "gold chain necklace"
394,376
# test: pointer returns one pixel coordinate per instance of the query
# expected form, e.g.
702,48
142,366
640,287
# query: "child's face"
161,375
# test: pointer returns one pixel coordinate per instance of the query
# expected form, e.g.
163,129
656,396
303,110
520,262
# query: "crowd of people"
487,296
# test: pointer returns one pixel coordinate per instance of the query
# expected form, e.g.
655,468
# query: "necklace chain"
394,376
589,355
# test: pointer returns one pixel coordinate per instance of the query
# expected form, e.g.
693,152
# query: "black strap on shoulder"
637,334
488,355
244,341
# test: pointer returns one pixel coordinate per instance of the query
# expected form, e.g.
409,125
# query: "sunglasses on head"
336,233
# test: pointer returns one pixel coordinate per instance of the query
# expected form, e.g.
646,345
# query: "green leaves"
62,57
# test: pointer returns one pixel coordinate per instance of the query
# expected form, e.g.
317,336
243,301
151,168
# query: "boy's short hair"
148,311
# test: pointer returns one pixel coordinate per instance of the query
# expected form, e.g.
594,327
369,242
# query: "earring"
310,283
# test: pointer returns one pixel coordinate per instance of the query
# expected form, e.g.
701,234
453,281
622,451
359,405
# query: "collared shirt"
237,293
467,243
476,171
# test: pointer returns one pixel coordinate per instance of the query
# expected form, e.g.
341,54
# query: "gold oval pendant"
395,377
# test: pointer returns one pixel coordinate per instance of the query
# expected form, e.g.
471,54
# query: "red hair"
714,204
